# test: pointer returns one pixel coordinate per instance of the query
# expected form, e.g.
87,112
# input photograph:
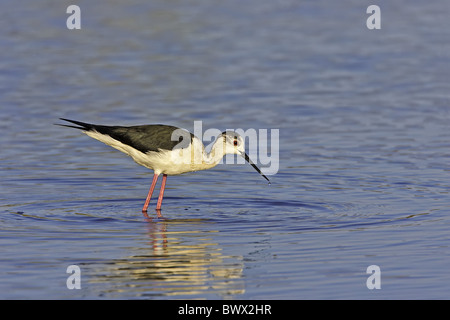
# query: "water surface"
364,144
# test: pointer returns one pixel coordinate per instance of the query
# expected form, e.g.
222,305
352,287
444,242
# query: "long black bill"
245,155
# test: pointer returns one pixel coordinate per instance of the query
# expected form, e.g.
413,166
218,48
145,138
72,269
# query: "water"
363,164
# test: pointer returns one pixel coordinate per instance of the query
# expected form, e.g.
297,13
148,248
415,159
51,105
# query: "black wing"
143,138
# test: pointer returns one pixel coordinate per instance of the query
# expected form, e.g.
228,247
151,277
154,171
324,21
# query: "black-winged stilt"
165,149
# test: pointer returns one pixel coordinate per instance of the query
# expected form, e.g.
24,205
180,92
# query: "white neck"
215,155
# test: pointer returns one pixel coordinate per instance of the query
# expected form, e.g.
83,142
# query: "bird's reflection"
180,259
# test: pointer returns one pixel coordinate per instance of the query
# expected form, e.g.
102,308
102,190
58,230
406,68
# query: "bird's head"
233,143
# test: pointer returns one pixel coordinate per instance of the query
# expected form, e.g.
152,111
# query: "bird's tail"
81,125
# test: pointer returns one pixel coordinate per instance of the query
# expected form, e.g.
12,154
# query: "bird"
165,149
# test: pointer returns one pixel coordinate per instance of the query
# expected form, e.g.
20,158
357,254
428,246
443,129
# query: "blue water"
364,149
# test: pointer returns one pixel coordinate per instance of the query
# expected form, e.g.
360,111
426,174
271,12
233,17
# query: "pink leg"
150,192
161,192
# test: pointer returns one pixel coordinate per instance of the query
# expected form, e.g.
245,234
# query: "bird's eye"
235,142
